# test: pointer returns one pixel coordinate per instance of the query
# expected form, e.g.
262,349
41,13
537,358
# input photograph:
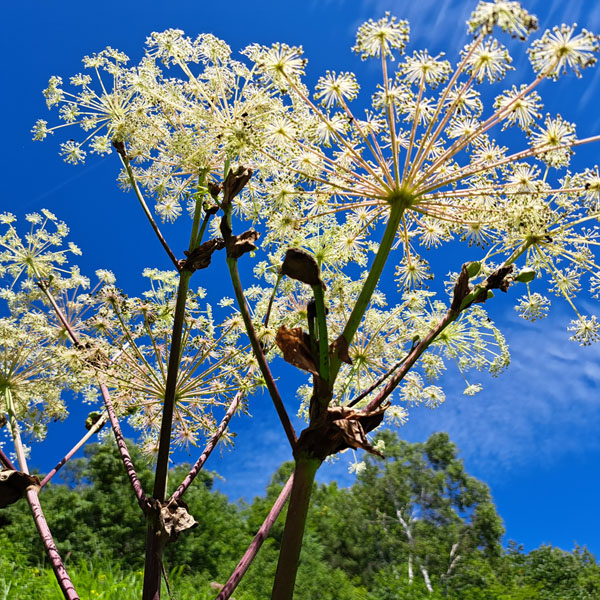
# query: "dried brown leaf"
14,485
339,348
234,183
175,518
301,266
200,257
240,244
295,346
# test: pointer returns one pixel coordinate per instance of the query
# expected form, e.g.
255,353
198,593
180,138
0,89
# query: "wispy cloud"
544,407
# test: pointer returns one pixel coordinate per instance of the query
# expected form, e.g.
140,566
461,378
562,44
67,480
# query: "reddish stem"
119,438
94,429
58,567
6,461
178,493
259,538
410,360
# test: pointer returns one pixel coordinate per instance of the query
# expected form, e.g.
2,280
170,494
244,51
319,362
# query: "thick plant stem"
154,545
257,542
362,302
291,544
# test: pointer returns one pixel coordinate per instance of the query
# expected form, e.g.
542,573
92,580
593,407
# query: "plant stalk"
62,577
295,523
93,430
362,302
154,545
257,542
259,354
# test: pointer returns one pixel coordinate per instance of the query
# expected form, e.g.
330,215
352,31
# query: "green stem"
146,210
397,206
194,237
291,544
322,329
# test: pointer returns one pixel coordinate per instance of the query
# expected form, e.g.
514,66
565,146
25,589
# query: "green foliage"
355,546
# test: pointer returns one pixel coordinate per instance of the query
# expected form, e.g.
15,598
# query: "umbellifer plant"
334,193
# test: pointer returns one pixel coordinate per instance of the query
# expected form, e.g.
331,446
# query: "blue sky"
531,434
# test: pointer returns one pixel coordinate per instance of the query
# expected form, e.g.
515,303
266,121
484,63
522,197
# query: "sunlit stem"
424,149
413,130
257,542
397,205
391,120
322,332
62,577
258,352
140,197
291,544
272,299
92,431
483,127
194,238
374,147
340,139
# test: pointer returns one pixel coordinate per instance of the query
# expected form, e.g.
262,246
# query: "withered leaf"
175,518
295,345
461,289
301,266
14,484
234,183
199,258
340,348
499,279
240,244
354,424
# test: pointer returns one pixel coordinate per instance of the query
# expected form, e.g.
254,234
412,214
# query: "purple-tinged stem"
64,581
178,493
94,429
257,542
59,314
125,456
6,461
410,360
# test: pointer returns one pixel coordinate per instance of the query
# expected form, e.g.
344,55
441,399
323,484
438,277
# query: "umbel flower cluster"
352,182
